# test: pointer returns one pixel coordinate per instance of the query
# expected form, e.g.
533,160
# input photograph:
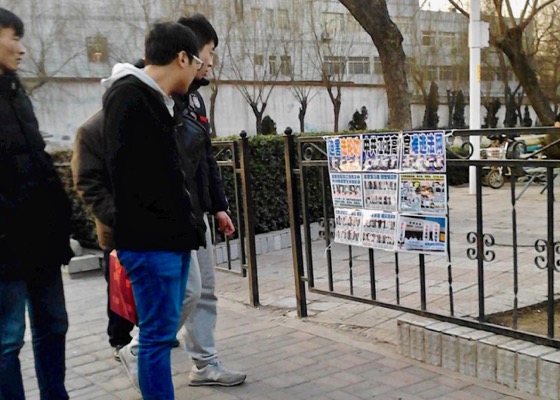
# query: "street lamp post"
478,38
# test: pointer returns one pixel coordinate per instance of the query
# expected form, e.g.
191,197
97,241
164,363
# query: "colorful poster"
347,226
422,234
380,152
346,190
344,153
423,152
423,194
379,230
380,191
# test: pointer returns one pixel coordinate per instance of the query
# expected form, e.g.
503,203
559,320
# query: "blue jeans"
49,324
158,281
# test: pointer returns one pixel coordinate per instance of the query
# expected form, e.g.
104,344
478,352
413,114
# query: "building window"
97,49
358,65
428,38
487,74
432,72
447,73
351,24
334,65
332,22
256,15
269,16
272,67
282,19
204,9
447,39
258,59
377,68
286,65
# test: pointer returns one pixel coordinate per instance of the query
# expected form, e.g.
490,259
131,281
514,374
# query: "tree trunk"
336,108
512,46
258,116
213,97
301,115
373,16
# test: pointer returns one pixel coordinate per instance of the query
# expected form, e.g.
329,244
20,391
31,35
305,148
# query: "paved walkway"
344,350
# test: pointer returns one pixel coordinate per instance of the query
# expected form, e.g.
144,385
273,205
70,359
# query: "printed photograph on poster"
423,193
380,191
344,153
380,152
379,229
346,190
423,152
422,234
347,226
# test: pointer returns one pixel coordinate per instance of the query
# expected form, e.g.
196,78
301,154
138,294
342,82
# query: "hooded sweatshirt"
154,209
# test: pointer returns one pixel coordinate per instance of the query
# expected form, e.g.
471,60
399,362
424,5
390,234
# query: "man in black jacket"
155,227
34,234
199,312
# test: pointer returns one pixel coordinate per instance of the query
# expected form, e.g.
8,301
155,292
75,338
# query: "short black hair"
9,20
202,28
167,39
557,118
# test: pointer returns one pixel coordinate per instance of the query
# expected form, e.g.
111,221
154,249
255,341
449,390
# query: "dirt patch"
530,319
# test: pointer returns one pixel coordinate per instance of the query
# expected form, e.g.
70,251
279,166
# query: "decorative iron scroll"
487,241
311,151
541,246
322,227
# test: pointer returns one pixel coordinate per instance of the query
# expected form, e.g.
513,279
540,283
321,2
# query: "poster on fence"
344,153
380,152
423,193
422,234
423,152
379,229
347,226
346,190
380,191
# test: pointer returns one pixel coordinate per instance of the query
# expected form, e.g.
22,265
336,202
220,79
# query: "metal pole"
474,87
249,217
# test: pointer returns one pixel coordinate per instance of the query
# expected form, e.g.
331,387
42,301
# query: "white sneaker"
129,361
215,374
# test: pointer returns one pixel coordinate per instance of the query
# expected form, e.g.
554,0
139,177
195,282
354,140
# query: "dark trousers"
49,322
118,328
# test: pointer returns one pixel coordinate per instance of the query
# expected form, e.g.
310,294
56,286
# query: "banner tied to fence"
389,190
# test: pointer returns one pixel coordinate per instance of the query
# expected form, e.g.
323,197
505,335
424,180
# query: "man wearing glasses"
156,223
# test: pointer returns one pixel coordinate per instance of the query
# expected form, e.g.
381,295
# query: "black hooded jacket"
34,208
154,208
200,158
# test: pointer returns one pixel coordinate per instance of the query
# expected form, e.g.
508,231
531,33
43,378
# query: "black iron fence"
502,255
232,157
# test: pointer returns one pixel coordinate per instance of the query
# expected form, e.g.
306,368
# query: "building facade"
270,51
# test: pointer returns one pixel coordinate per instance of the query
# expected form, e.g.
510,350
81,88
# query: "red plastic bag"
121,298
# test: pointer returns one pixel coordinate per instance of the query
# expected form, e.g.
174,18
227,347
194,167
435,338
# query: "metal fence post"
249,220
294,213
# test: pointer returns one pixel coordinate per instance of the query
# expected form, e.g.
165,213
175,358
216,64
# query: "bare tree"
256,59
328,56
373,16
508,36
49,42
302,87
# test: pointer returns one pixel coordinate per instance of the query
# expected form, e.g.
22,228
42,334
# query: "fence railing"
502,254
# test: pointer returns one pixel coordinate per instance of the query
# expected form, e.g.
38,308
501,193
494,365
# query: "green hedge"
268,179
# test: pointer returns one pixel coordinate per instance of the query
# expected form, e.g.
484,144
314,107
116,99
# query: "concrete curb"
521,365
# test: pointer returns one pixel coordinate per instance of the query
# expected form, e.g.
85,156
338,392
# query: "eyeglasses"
199,62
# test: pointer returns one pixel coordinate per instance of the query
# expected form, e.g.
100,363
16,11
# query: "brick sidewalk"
285,358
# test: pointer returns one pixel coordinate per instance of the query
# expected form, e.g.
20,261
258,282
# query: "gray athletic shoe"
215,374
130,364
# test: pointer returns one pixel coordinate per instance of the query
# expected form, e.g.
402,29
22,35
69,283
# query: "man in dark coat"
34,234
